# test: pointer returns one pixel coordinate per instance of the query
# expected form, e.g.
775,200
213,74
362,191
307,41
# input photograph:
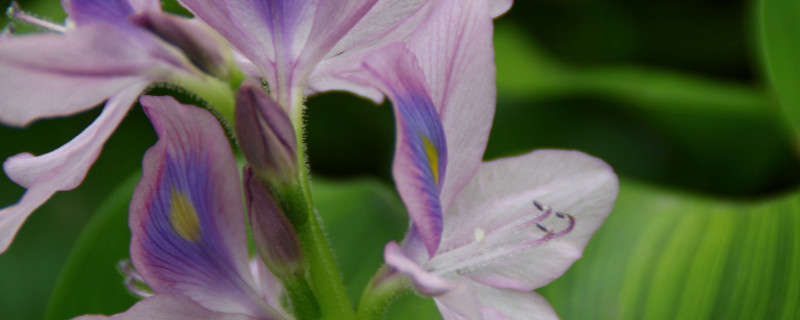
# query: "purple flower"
187,220
112,51
483,235
301,46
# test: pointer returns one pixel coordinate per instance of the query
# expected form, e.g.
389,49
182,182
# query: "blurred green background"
676,95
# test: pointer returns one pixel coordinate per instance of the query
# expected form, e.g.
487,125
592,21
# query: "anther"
569,228
15,13
546,213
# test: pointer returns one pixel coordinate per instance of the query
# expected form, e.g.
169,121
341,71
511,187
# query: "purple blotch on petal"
202,261
187,218
91,11
422,132
421,152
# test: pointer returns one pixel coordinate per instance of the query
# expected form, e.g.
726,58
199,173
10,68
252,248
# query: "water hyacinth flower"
187,221
483,235
300,47
110,50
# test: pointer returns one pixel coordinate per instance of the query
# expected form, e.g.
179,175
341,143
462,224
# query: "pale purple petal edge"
167,307
63,168
427,283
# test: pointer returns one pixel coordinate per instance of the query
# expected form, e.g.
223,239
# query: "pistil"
15,13
485,246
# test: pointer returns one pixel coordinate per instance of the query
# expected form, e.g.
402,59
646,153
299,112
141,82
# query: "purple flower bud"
275,238
206,49
266,135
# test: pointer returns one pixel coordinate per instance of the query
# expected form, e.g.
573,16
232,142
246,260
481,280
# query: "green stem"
379,293
303,300
295,199
325,275
218,94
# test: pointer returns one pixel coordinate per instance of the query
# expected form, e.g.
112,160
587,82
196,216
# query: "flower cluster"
482,237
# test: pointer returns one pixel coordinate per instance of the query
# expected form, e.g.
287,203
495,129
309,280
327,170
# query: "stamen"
541,227
514,227
133,280
569,228
538,205
550,235
15,13
484,249
546,211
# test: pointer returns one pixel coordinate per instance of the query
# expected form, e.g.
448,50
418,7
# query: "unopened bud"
275,238
266,135
206,49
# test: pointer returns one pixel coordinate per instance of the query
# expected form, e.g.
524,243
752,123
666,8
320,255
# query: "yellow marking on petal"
183,216
433,157
480,235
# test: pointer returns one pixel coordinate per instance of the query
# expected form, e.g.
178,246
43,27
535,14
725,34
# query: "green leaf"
779,24
526,72
361,216
665,255
90,281
684,127
412,306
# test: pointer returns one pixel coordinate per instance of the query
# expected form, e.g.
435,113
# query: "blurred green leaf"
652,124
664,255
526,71
412,306
361,217
779,23
90,281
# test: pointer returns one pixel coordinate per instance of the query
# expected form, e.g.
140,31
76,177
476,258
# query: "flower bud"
206,49
266,135
275,238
